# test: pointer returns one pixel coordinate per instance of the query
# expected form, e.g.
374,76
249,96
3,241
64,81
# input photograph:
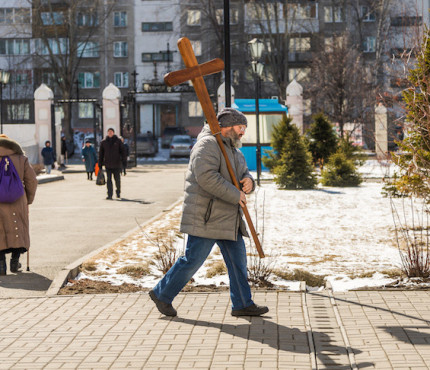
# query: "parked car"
168,134
181,146
146,145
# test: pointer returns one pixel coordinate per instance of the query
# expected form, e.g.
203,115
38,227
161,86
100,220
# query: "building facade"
78,48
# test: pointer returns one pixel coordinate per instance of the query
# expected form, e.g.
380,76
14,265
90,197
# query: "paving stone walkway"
369,330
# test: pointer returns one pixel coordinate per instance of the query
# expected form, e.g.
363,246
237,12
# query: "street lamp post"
4,79
256,48
133,96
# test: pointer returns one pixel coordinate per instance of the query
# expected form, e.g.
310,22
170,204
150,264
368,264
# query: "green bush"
340,171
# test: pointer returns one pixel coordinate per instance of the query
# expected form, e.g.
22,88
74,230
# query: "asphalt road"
71,217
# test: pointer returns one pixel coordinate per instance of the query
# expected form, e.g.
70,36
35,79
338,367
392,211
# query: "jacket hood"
9,145
206,131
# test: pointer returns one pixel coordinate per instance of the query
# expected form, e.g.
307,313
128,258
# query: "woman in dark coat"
89,156
14,225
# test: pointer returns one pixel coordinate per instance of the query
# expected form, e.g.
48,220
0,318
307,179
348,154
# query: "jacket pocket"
208,211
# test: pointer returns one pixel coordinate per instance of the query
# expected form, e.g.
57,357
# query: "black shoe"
252,310
14,265
164,308
3,268
118,195
109,198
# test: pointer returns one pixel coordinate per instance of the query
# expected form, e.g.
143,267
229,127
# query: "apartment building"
132,43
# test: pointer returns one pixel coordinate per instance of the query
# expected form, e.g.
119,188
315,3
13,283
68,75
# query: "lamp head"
256,47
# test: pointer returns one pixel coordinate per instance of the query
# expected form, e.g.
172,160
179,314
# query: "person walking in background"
48,157
63,156
212,214
127,153
89,156
112,156
14,224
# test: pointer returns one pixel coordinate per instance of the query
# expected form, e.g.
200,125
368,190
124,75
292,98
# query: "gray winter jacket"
211,205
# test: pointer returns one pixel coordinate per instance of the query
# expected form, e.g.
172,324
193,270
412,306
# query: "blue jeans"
196,252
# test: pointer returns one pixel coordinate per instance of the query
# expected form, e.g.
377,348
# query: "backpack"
11,188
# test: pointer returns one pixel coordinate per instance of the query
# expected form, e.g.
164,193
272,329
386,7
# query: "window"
369,44
14,47
193,17
120,49
87,19
56,46
157,26
258,12
197,47
195,109
21,15
21,78
234,16
162,56
52,18
120,19
333,14
18,112
86,110
14,15
300,44
49,78
404,21
121,79
300,74
304,11
88,49
333,42
367,14
88,80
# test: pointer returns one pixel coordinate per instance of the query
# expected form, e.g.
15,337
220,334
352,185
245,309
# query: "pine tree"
290,159
322,139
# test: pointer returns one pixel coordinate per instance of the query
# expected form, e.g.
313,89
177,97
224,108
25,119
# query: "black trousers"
116,172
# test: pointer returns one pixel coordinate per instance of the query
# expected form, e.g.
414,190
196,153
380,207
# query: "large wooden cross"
195,73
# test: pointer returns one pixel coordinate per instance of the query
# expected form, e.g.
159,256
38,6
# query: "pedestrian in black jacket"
48,157
112,156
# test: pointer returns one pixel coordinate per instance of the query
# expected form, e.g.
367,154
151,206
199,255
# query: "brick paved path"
382,330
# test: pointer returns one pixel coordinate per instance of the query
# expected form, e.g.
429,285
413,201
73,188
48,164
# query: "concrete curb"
72,270
44,180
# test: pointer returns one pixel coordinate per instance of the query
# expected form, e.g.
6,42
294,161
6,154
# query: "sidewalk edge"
72,270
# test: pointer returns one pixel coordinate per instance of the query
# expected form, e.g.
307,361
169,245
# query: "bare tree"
340,88
64,31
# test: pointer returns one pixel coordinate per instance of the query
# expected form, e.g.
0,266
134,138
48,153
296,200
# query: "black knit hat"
228,117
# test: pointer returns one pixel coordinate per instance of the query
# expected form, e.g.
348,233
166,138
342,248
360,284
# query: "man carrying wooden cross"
212,214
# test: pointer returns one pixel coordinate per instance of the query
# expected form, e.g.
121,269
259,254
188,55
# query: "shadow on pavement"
282,338
361,304
25,281
407,335
140,201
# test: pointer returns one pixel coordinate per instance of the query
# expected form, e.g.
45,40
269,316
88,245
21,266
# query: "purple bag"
11,188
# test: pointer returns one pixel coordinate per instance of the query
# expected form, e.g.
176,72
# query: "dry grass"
217,268
394,273
301,275
135,271
89,266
